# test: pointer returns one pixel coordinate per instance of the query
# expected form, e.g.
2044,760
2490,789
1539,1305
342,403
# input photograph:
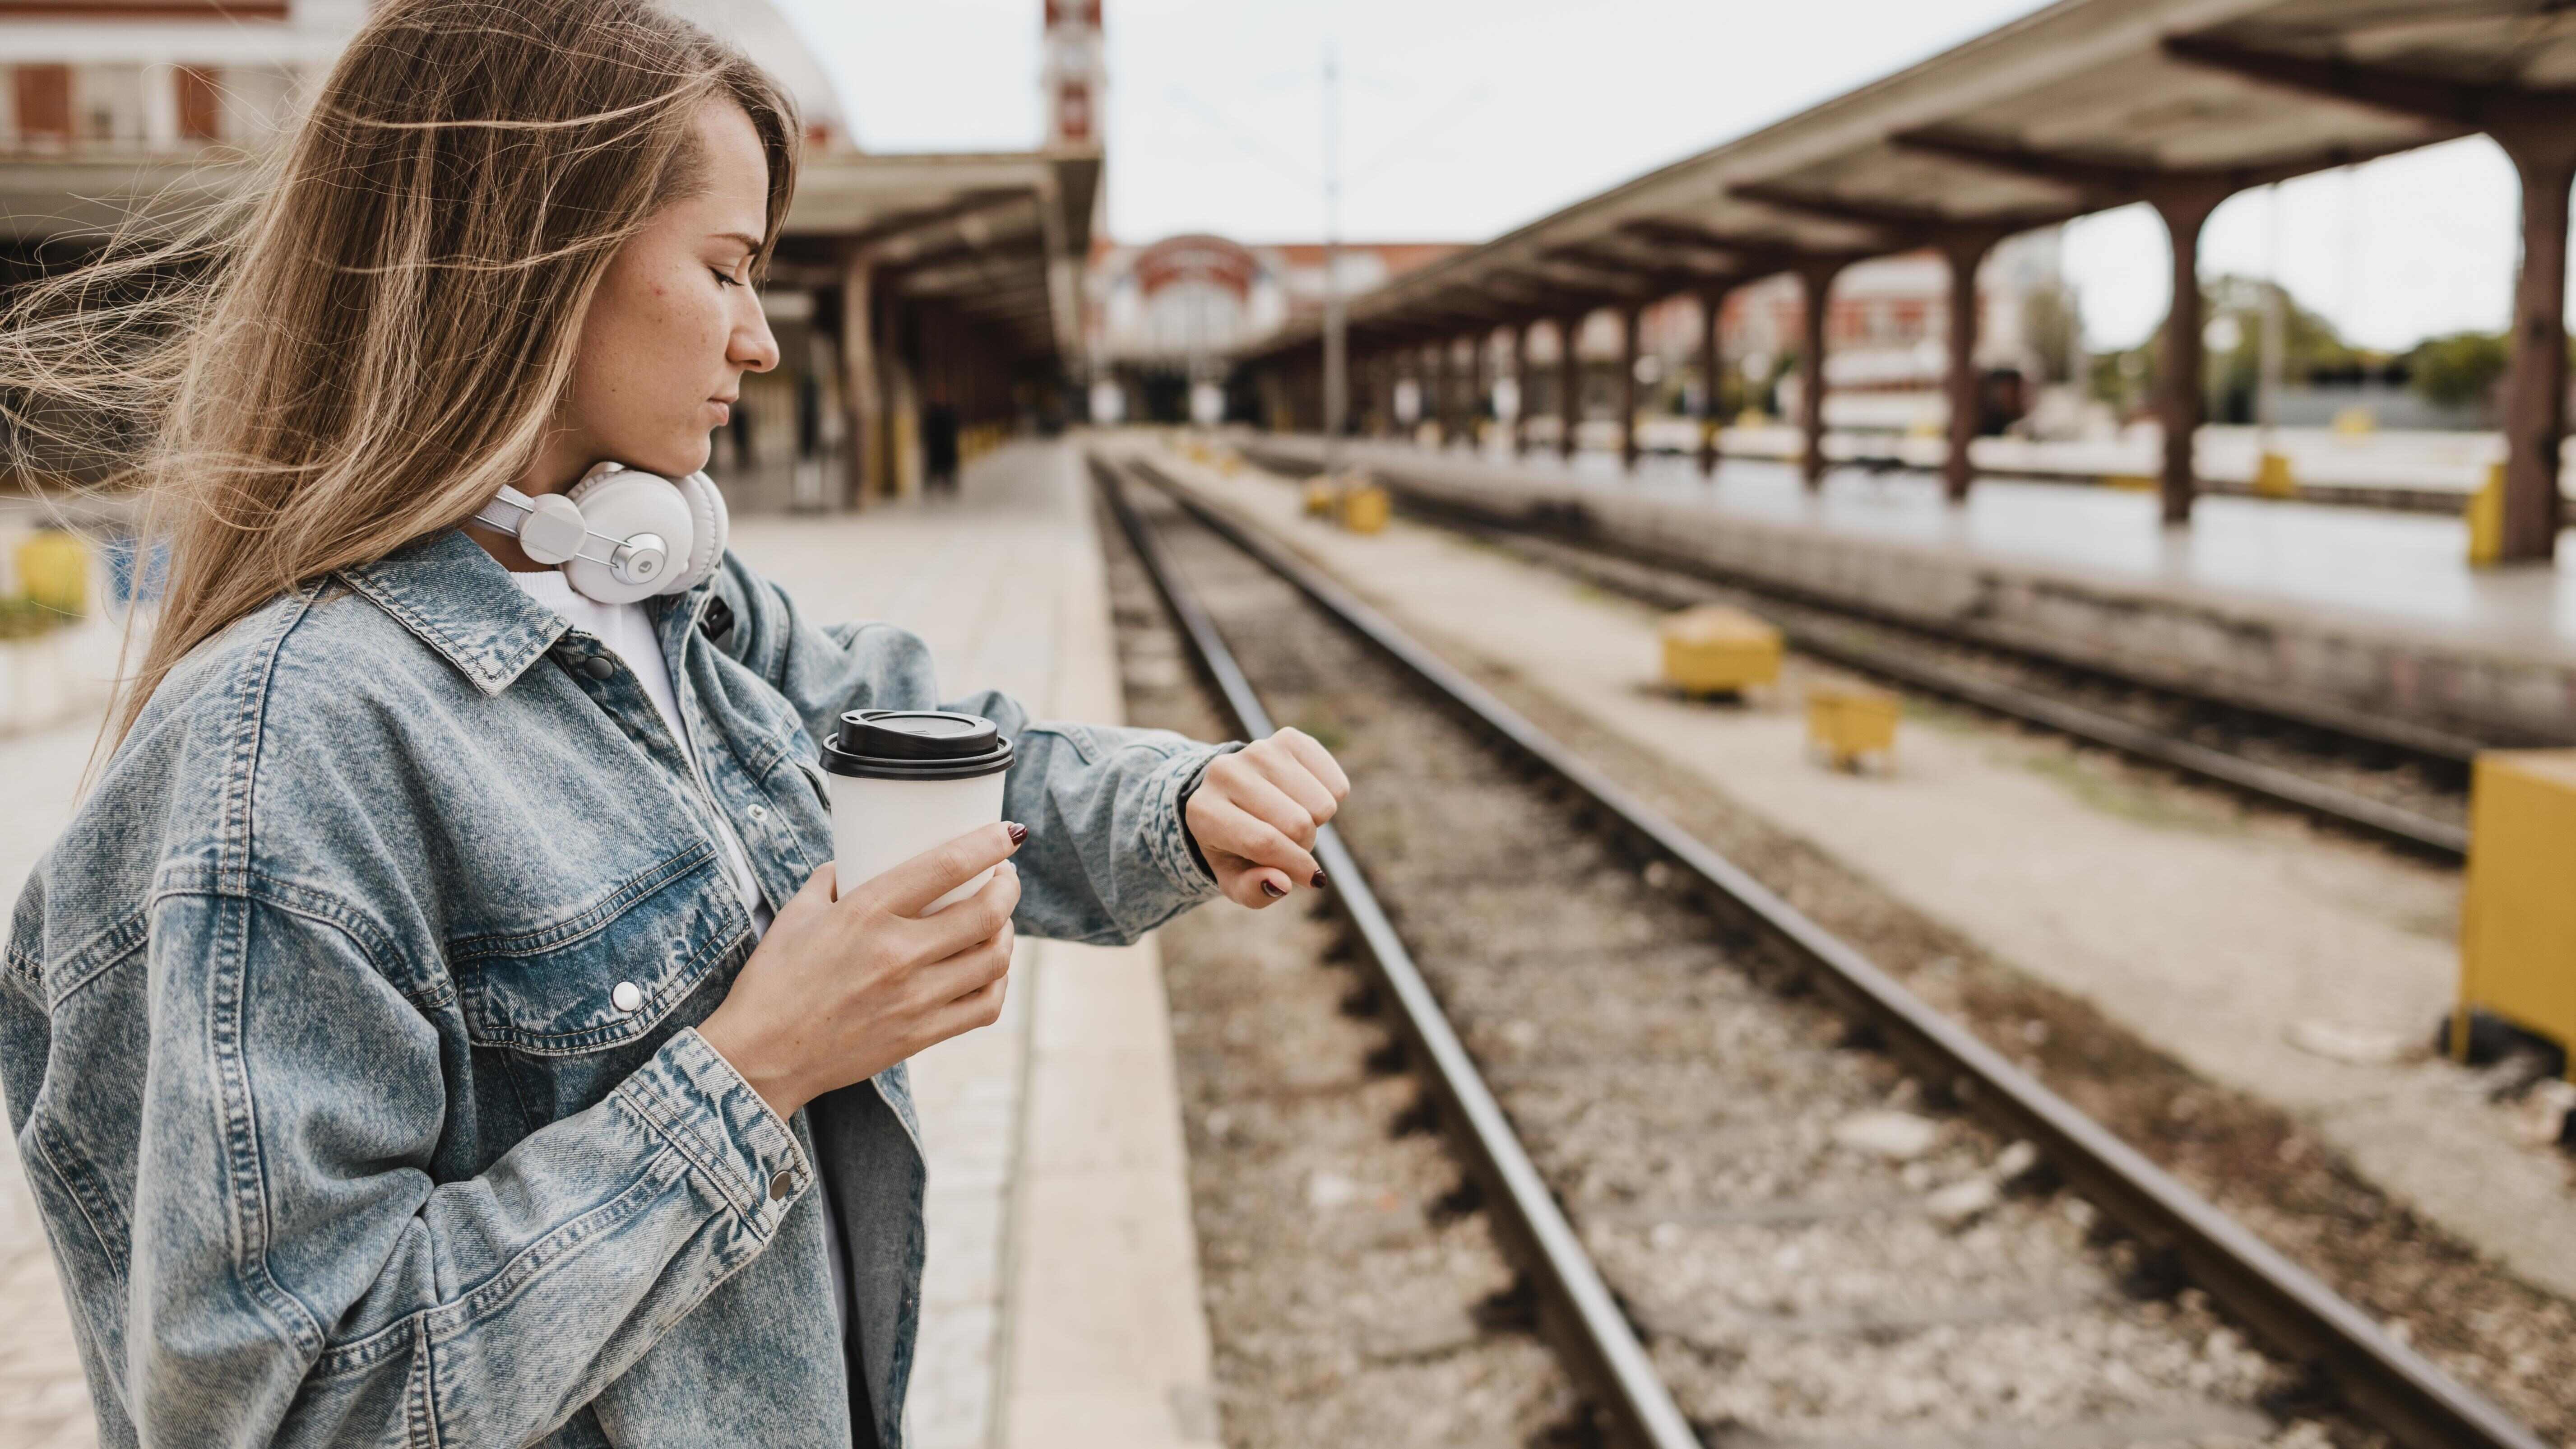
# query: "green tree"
2460,370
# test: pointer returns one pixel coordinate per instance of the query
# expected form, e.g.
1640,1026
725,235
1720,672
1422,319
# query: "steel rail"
1578,1309
2270,783
2298,1316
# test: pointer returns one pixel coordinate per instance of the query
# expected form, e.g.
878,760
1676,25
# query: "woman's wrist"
757,1068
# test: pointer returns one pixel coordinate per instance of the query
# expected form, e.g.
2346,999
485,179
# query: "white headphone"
617,531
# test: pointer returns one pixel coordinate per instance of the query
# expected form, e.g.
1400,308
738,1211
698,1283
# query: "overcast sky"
1465,118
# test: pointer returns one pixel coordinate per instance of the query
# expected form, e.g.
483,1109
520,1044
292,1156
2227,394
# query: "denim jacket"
311,1038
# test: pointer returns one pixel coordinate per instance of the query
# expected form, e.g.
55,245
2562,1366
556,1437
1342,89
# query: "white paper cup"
904,781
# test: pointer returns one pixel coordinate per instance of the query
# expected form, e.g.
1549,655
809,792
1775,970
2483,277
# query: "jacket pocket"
604,974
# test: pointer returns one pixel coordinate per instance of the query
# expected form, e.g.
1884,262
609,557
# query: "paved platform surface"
2406,569
2218,937
1061,1302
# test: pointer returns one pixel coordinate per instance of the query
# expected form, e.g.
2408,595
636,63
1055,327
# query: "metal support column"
1819,280
1479,343
1437,409
1569,386
2179,406
1631,320
1965,252
1712,408
862,388
1522,394
2534,395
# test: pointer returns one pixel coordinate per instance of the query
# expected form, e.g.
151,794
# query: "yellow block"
1713,649
2356,422
2518,914
1319,498
2273,478
53,570
1847,722
2132,482
1365,508
2486,520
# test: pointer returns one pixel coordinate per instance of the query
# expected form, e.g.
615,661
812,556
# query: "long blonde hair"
367,343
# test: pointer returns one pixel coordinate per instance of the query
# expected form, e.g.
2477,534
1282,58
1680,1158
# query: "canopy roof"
2085,105
999,236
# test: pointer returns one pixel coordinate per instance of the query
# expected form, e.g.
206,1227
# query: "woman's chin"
673,460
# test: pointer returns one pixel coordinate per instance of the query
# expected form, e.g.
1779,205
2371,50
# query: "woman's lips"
724,410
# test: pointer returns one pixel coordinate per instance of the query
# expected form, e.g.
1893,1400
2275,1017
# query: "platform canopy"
2085,105
997,236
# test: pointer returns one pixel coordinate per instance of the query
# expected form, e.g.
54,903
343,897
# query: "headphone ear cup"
707,540
621,503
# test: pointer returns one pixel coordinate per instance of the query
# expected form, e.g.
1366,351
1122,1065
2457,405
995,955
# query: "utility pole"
1336,359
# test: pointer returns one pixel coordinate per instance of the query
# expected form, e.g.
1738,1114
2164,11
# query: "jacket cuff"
696,1101
1169,844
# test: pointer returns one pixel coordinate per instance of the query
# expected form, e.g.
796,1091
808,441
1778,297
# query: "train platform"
2268,957
1061,1303
2357,617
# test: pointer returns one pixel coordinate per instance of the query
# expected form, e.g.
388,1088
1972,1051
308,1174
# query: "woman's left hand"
1255,813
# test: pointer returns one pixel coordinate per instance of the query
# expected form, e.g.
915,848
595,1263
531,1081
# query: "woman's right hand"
840,990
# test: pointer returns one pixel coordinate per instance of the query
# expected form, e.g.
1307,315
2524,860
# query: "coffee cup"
904,780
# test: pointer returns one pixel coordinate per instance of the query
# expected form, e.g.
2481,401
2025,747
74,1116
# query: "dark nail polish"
1319,882
1018,832
1271,889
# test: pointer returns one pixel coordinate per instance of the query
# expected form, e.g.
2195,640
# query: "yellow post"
1849,721
1712,649
2517,914
1365,507
2486,520
2273,478
53,570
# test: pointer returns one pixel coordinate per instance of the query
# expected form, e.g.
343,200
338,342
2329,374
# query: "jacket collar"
461,602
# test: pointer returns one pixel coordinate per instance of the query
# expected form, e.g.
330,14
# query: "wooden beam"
2466,104
1913,222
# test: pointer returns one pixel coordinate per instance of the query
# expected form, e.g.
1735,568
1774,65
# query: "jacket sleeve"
298,1279
1108,857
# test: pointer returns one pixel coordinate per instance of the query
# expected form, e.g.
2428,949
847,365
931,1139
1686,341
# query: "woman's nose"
754,349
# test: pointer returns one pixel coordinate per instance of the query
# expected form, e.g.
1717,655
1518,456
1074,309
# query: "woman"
438,1025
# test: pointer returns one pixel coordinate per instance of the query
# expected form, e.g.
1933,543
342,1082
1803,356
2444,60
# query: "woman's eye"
725,278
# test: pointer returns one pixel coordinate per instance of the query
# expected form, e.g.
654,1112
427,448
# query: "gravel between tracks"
1349,1301
1793,1285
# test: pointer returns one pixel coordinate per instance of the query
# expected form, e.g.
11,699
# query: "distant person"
438,1024
939,448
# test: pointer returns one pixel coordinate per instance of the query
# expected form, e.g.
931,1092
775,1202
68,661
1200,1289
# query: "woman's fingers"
905,889
1264,799
1318,761
976,919
1293,778
1235,831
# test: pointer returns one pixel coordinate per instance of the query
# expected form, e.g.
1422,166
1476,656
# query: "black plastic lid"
915,744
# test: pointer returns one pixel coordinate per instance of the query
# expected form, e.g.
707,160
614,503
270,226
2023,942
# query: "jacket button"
759,813
626,996
781,1185
600,666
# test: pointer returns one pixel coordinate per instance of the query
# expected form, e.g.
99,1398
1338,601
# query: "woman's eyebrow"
749,242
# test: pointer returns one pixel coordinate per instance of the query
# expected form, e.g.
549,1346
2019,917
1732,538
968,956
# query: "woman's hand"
1255,813
840,990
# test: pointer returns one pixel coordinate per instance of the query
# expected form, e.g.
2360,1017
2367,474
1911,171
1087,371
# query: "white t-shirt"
628,631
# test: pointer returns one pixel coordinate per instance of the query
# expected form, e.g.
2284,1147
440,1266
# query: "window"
201,105
44,102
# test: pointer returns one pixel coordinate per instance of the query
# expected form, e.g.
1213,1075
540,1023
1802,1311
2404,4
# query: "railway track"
1763,1193
2404,787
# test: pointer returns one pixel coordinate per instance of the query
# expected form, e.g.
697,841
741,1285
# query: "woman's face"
675,323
